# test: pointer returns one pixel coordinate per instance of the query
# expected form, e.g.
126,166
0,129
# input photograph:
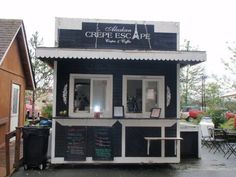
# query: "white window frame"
161,94
84,114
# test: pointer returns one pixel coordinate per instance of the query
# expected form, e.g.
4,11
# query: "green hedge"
218,116
47,111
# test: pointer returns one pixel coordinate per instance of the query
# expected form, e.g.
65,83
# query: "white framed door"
15,101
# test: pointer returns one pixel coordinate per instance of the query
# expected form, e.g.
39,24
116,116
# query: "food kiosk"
116,91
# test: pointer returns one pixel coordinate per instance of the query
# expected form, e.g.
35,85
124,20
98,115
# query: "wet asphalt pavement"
210,165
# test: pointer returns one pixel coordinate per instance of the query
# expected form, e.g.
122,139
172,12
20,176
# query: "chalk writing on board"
103,143
75,143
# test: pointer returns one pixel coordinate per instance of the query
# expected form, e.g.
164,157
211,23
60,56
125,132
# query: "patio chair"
219,140
231,143
207,137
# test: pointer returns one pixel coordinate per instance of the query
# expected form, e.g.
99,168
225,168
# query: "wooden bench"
149,139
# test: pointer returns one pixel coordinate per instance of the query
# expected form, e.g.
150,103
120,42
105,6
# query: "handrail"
16,133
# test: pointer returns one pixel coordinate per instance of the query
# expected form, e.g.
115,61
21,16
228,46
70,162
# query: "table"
149,139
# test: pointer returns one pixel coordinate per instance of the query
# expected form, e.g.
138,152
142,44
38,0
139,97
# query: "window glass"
141,94
90,93
134,96
99,94
15,100
82,95
151,96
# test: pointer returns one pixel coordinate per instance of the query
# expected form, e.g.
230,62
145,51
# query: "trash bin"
35,145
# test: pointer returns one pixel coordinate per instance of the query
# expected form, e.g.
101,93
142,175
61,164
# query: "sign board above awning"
116,34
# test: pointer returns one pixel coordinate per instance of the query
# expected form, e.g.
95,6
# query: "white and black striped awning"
50,54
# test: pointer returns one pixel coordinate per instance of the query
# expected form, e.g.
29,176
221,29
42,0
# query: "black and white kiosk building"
108,77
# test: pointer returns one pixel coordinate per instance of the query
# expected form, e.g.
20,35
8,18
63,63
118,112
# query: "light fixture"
97,108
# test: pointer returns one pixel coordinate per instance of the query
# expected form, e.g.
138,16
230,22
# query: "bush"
199,117
218,116
47,111
195,120
229,124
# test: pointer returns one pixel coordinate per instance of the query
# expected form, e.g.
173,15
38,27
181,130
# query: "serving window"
141,94
90,94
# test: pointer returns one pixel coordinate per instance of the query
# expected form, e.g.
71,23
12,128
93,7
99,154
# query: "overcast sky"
208,24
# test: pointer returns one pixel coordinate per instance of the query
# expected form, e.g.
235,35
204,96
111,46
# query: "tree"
230,65
229,81
213,95
42,72
190,80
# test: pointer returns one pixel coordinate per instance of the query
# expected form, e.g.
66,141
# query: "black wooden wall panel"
189,145
136,145
169,145
60,141
69,38
165,41
117,68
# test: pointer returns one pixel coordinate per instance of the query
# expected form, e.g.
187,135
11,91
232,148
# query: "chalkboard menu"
75,143
103,143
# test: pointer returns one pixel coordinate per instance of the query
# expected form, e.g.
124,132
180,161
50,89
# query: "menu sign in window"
75,143
103,143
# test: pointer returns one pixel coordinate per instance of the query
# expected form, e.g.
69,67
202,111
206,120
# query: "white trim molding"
178,90
54,89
